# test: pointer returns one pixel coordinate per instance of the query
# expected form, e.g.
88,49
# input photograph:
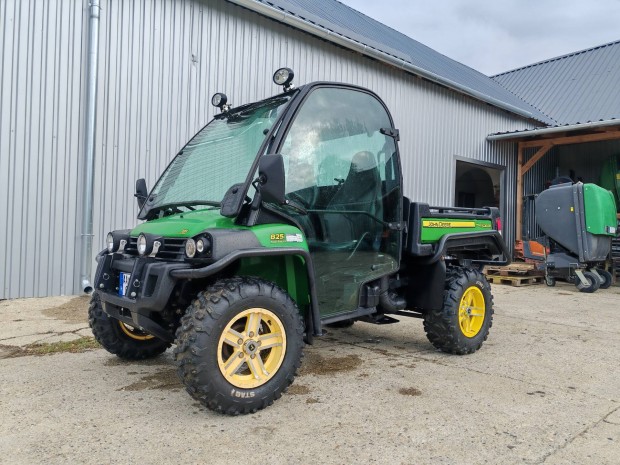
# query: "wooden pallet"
514,269
516,281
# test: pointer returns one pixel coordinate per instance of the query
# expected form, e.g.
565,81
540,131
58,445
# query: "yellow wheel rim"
251,348
471,311
134,333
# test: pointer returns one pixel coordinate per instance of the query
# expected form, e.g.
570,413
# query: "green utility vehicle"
277,219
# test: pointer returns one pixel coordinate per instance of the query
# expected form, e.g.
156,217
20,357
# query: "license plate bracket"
123,283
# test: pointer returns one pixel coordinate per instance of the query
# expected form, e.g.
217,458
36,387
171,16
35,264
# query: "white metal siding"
160,61
41,54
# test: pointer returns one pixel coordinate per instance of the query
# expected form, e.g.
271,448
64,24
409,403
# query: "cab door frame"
368,298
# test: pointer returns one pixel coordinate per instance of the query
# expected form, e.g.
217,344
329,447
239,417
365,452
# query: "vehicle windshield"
220,155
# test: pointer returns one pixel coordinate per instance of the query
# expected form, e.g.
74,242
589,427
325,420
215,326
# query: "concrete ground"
545,388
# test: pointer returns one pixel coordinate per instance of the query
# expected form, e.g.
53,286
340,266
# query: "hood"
186,224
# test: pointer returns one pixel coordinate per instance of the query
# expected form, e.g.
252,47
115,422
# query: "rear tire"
122,340
550,281
593,281
239,345
463,324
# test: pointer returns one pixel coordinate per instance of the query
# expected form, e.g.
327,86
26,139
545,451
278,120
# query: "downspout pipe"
86,250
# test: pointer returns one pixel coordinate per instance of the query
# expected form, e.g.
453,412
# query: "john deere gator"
277,219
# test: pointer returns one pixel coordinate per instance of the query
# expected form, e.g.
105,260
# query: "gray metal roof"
580,87
340,21
558,129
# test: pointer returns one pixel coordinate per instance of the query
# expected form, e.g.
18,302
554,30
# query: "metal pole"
86,253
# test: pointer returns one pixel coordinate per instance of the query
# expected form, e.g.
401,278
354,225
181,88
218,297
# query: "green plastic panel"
185,224
434,228
600,210
610,177
191,223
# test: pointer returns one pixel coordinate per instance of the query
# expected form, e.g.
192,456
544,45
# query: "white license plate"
123,283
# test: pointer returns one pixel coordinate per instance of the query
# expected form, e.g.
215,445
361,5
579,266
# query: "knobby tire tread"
199,327
442,325
107,332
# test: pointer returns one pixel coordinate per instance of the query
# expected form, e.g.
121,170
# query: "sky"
501,35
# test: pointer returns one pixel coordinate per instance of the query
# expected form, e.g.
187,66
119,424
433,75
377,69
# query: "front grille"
173,248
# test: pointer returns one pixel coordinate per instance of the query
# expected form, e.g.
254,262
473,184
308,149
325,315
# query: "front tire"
120,339
239,345
463,324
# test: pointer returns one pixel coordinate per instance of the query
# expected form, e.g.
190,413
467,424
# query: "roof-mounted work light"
284,77
219,100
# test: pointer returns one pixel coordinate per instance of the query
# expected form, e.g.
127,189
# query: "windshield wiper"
190,204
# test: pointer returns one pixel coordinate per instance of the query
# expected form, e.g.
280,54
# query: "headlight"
110,242
117,240
190,248
141,244
200,245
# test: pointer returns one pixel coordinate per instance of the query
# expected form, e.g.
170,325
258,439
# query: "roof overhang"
343,41
588,131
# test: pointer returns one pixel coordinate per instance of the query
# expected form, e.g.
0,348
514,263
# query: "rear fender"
476,247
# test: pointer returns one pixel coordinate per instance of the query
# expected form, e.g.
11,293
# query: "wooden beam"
541,152
519,212
573,139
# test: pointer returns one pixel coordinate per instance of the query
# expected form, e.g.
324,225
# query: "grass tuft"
77,345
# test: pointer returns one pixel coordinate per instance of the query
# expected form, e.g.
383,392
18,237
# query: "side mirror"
271,177
232,201
141,192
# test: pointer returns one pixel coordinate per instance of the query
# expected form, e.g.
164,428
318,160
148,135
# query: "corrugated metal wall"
534,182
160,61
42,46
587,160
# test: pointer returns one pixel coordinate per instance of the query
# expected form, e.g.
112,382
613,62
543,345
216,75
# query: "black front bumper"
149,289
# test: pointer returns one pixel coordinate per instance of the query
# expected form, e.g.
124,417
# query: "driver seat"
360,191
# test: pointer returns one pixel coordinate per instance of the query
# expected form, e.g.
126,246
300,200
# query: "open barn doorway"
477,185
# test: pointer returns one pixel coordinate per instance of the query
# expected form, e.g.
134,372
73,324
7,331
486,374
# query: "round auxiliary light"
109,240
219,100
200,246
190,248
283,76
141,244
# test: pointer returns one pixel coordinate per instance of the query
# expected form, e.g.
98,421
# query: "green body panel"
185,224
190,224
600,210
434,229
279,235
610,177
287,271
